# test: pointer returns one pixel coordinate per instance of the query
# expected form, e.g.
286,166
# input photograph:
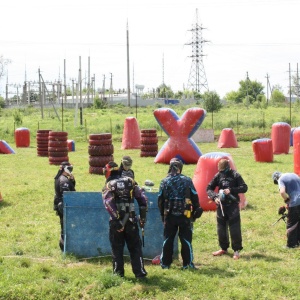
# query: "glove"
217,200
142,223
281,210
116,224
197,213
287,200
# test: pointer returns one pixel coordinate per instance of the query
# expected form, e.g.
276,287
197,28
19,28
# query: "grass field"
32,266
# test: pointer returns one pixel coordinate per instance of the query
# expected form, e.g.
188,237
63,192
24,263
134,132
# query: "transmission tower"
197,79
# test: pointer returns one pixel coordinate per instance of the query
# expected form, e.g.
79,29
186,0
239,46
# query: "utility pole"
197,79
89,84
128,71
290,94
111,90
80,91
268,87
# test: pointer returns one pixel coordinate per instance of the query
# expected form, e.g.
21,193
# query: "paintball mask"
223,165
126,162
66,167
275,176
110,167
175,166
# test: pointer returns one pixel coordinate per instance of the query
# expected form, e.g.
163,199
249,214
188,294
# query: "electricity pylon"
197,79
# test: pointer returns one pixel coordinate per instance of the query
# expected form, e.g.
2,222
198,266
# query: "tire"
58,160
100,142
42,153
58,149
100,136
100,161
149,140
58,138
58,133
43,142
149,134
149,147
148,130
57,143
42,138
101,150
148,153
96,170
57,154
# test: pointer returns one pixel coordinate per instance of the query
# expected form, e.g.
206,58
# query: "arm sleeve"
161,200
211,187
109,204
193,195
241,186
140,196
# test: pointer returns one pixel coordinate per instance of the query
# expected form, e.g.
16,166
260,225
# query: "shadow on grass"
266,257
4,204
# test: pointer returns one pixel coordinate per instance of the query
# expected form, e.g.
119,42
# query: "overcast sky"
256,36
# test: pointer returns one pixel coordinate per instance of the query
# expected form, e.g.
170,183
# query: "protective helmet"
275,176
126,162
66,167
109,168
223,165
175,165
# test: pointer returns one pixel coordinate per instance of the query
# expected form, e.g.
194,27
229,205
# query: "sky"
255,37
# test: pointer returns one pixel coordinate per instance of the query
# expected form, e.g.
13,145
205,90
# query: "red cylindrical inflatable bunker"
280,135
263,150
131,138
207,168
296,142
227,139
22,137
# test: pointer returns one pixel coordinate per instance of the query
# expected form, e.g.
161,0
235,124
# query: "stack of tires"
58,147
149,140
42,137
100,151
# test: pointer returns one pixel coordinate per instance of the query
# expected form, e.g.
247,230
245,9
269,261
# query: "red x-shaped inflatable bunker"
180,130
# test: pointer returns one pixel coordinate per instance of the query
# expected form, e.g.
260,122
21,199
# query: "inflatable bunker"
180,130
206,169
5,148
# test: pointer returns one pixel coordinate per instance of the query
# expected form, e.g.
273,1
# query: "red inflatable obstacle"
207,168
263,150
22,137
280,135
5,148
227,139
180,144
296,153
131,134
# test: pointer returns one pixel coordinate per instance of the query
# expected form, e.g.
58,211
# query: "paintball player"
289,190
64,181
125,167
118,198
178,204
230,183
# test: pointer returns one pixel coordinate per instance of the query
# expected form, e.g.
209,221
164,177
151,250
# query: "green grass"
32,266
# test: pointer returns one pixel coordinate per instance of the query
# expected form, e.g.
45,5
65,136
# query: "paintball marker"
143,237
281,218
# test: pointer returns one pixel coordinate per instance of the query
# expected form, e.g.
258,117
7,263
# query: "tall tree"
211,101
249,90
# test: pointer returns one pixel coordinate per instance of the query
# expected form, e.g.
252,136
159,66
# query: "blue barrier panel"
86,226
